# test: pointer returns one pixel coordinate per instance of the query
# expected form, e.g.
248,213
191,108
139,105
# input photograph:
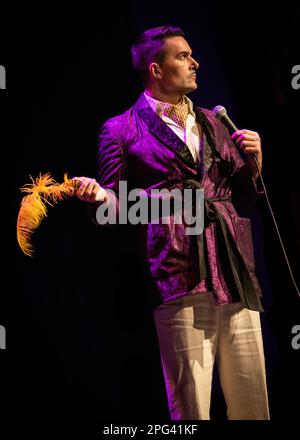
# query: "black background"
80,341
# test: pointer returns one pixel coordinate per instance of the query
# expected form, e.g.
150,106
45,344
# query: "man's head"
163,57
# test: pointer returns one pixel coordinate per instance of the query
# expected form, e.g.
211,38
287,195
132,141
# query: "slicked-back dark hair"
148,48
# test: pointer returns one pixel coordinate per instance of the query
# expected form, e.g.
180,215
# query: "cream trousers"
193,332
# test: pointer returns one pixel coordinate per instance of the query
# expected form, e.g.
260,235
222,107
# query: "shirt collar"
156,105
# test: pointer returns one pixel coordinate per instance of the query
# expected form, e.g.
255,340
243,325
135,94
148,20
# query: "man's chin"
191,89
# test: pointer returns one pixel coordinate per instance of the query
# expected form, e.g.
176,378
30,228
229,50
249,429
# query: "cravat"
178,112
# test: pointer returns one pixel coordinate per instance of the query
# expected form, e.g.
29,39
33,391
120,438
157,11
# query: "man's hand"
90,190
249,142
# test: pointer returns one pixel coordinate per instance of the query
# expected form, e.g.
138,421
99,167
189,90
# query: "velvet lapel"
162,132
206,125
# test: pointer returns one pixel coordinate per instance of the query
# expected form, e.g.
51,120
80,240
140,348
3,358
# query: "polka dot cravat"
178,113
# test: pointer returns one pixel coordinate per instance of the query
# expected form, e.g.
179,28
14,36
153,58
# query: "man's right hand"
90,190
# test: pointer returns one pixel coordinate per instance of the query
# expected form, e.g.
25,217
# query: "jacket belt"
242,279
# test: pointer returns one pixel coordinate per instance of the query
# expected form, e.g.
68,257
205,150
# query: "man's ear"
155,70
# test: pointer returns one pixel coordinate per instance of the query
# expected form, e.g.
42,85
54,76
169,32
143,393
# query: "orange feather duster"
43,191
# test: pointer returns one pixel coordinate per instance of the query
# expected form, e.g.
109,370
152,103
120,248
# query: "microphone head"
219,111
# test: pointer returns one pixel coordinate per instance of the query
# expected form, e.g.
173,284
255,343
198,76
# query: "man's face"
178,69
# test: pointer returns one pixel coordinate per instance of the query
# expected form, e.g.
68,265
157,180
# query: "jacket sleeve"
112,168
245,190
111,157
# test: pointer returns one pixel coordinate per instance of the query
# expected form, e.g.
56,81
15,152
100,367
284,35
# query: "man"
206,292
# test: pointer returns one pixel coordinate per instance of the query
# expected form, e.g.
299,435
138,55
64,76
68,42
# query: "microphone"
220,113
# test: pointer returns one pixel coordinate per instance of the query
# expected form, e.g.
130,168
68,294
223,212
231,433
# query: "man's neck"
159,96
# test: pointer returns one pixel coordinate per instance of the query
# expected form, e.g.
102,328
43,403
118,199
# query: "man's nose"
194,63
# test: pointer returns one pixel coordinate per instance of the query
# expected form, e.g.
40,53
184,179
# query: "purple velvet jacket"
137,146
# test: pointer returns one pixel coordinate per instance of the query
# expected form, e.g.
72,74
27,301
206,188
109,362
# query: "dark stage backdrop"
80,342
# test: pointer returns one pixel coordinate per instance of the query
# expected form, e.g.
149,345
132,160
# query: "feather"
43,191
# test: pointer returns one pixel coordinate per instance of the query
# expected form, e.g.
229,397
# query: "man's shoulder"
211,118
119,119
208,113
122,127
116,125
125,125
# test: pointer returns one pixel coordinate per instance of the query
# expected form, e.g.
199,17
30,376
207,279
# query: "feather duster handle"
43,191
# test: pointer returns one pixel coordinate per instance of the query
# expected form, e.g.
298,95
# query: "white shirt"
190,135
